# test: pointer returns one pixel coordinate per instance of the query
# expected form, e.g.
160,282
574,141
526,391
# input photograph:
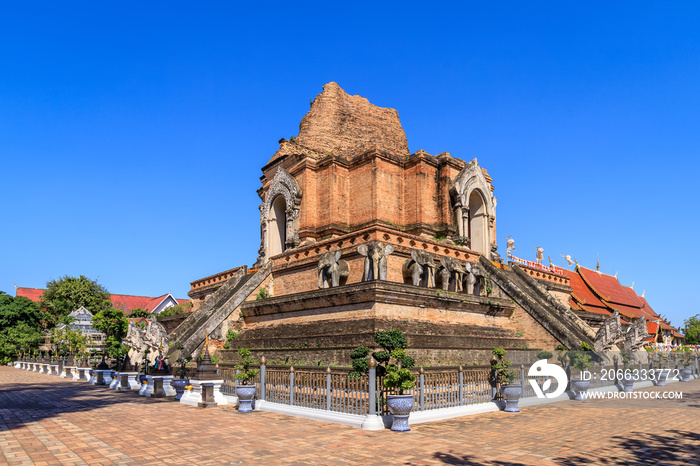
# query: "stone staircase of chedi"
562,323
192,332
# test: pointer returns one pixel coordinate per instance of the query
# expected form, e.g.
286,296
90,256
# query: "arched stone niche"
279,216
474,209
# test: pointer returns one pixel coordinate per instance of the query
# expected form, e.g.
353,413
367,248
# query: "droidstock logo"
542,369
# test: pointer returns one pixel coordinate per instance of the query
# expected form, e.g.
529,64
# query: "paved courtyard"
46,420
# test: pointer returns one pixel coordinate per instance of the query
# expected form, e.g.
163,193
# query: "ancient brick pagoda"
358,235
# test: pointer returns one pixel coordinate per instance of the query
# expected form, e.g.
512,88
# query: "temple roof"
124,302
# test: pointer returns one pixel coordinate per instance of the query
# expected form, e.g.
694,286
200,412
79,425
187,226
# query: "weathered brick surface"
352,164
47,420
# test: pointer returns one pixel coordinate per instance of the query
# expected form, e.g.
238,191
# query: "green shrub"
389,341
501,367
245,374
544,355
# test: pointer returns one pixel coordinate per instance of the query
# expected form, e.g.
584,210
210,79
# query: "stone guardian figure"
331,268
375,253
420,268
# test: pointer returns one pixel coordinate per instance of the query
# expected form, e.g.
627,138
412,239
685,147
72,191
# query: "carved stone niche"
332,270
375,253
420,269
279,216
474,209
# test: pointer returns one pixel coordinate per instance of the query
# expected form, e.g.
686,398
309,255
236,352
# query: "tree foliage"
114,325
21,323
391,342
175,310
692,330
67,341
67,294
138,312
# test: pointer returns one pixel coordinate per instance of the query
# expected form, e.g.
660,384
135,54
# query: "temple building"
124,302
357,234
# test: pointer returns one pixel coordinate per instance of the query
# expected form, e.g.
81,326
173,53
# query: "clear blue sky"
132,135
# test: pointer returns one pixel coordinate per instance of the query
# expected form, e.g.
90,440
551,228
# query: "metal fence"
334,389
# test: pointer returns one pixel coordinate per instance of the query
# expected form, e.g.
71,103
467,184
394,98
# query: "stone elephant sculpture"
420,268
375,253
473,275
451,274
331,268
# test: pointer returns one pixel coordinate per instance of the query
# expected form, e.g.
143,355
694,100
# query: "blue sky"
132,136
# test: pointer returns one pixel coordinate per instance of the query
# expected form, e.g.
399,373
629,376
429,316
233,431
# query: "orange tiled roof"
32,293
607,288
125,302
583,297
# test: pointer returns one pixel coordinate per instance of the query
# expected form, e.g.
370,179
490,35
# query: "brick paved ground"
46,420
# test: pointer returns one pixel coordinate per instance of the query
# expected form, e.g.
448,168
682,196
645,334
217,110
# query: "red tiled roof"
608,288
583,297
126,303
652,327
32,293
646,308
677,335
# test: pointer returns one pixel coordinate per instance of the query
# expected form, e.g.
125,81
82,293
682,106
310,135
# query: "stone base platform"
194,397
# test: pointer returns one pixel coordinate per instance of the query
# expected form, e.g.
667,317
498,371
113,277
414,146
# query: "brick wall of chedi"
352,163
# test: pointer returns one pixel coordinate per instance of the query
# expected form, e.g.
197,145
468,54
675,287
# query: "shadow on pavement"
30,402
672,447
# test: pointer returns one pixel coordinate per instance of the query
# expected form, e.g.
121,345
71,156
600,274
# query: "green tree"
175,310
67,294
21,323
392,343
138,312
114,325
692,330
68,341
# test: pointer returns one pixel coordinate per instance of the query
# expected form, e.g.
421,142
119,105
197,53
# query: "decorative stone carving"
540,254
495,256
609,334
473,275
511,247
331,268
420,268
155,338
636,334
480,229
451,273
283,184
375,254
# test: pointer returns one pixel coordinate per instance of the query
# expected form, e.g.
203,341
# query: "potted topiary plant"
581,361
180,384
400,379
245,390
503,376
662,373
627,377
685,359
